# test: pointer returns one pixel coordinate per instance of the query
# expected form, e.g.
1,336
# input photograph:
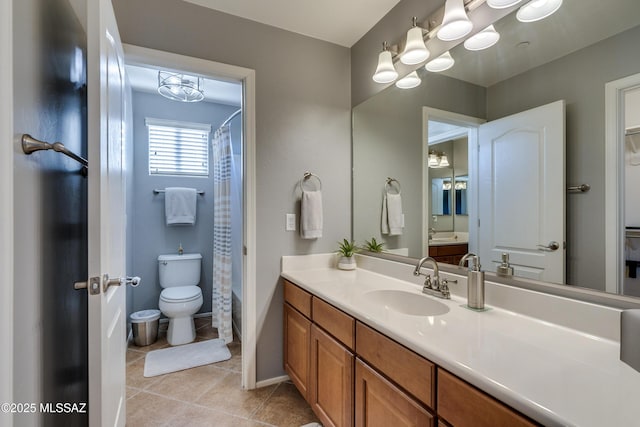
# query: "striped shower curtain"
222,172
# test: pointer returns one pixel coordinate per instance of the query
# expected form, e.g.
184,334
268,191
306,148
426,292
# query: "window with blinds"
178,148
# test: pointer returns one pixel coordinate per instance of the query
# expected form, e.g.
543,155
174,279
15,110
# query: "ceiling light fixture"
386,71
502,4
441,63
456,23
415,51
410,81
180,87
536,10
482,40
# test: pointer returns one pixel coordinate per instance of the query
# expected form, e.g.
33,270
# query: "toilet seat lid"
181,293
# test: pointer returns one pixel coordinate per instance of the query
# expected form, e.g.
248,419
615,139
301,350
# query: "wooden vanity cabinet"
379,403
463,405
297,338
449,254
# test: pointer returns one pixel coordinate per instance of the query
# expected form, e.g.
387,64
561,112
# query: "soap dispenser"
505,268
475,284
180,250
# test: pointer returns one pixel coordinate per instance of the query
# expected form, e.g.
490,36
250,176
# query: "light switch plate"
290,224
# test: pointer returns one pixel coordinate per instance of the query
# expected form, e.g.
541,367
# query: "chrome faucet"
435,287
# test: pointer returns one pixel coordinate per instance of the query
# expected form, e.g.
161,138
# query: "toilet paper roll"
630,338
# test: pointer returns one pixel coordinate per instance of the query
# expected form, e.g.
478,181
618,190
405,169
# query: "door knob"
551,247
118,281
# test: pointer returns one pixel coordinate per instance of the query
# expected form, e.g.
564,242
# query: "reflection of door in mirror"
460,187
631,281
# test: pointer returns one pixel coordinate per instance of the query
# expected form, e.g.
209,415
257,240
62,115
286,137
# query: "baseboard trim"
272,381
209,314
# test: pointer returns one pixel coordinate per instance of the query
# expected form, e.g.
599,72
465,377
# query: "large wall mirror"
569,56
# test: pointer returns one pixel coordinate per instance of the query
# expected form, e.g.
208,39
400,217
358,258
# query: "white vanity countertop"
555,375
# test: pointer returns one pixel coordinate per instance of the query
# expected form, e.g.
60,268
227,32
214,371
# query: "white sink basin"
410,303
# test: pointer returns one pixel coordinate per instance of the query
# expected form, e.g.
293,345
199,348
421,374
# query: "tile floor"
209,395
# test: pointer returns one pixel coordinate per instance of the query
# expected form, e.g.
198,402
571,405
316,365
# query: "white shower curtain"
222,173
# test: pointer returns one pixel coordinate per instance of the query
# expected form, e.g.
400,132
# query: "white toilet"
181,297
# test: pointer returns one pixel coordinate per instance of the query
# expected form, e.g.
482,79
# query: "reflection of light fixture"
386,71
456,23
415,50
441,63
537,9
409,81
461,185
437,160
446,185
180,87
482,40
502,4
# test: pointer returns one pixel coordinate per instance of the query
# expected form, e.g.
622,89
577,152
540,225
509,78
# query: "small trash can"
145,327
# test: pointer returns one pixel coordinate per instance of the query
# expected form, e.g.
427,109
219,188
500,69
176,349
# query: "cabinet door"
331,390
381,404
297,337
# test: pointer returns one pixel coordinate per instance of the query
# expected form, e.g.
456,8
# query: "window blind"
178,148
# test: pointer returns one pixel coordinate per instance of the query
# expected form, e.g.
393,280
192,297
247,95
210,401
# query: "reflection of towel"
180,206
392,221
311,215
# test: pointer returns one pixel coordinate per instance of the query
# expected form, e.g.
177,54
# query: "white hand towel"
392,210
311,215
180,205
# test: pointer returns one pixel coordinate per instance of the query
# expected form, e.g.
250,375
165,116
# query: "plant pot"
347,263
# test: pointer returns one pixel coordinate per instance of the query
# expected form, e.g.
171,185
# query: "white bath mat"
158,362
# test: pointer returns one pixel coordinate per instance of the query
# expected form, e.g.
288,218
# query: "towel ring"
388,185
308,175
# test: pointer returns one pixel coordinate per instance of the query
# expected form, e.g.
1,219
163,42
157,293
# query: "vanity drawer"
297,298
462,405
410,371
340,325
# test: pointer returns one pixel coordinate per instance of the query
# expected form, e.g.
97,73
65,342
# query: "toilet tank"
179,270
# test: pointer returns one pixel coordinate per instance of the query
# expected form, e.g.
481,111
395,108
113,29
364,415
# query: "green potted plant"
346,249
373,246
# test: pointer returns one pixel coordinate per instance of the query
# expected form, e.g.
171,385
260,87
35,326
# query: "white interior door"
107,309
522,192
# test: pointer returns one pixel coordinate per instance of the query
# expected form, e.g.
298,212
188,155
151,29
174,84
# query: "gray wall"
387,142
580,80
151,235
302,123
50,214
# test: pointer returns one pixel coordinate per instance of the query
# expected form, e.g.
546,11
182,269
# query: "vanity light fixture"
410,81
502,4
433,160
536,10
415,51
482,40
438,160
455,24
441,63
386,71
444,162
180,87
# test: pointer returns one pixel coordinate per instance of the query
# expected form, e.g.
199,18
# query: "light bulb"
455,23
482,40
410,81
415,50
537,10
441,63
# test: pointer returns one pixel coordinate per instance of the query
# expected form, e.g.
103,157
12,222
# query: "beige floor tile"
207,332
229,397
132,392
235,363
190,384
286,408
133,355
135,375
196,416
202,322
160,343
146,409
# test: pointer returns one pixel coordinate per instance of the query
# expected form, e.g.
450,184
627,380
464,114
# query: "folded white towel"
392,221
180,205
311,215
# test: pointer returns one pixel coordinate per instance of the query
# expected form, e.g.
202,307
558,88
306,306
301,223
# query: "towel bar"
579,188
156,191
31,145
388,184
308,175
